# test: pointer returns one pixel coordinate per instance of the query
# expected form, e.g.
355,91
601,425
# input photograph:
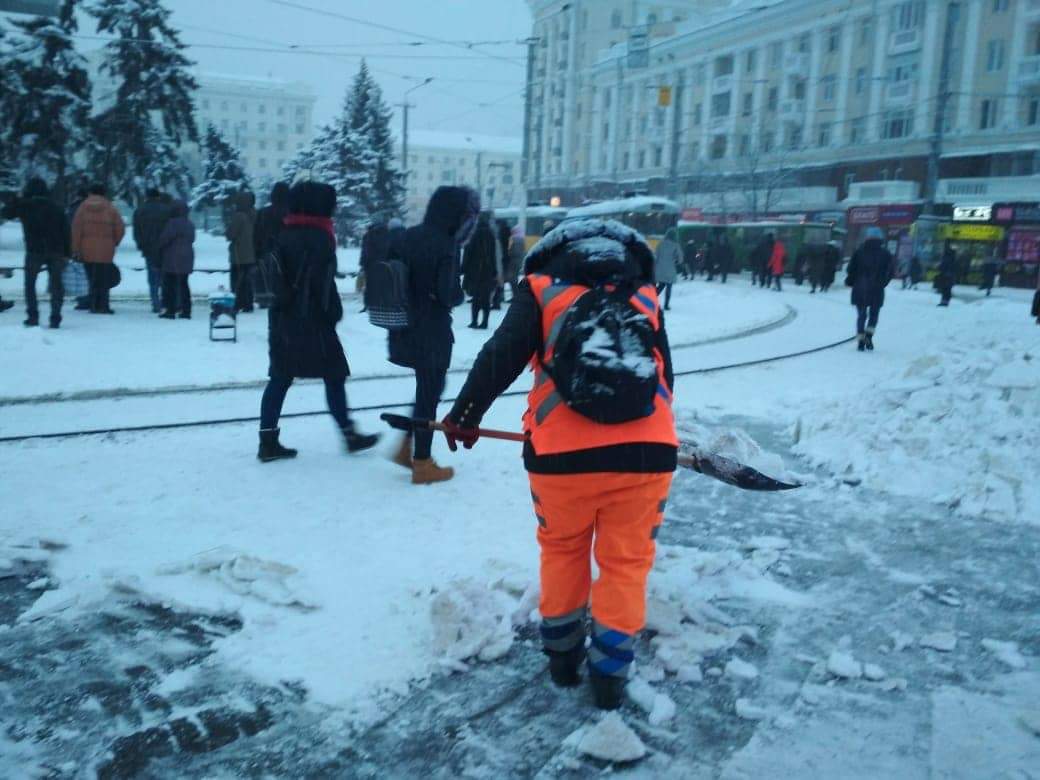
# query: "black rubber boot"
5,305
356,442
870,341
55,321
606,690
564,667
862,342
270,448
31,321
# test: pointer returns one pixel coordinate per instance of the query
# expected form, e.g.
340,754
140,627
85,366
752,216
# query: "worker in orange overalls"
601,444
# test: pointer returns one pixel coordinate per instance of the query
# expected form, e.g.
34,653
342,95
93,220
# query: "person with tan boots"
97,229
601,441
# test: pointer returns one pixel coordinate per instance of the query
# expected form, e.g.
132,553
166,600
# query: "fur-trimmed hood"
591,251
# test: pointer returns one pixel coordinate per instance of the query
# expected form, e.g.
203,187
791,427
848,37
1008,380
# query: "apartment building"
489,164
814,95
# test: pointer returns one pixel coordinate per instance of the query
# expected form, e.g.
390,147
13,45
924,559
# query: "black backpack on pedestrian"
386,293
603,362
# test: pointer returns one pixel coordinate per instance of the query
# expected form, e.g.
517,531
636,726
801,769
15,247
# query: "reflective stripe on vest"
552,426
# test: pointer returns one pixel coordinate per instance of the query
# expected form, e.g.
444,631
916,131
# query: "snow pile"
958,428
610,739
732,443
267,581
471,620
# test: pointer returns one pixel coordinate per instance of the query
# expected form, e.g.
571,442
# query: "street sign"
972,213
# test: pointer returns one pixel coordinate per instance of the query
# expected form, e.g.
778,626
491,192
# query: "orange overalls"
614,515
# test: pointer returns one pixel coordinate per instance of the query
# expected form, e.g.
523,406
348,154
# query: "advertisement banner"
968,232
1024,246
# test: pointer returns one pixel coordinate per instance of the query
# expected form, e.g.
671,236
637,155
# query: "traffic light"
664,96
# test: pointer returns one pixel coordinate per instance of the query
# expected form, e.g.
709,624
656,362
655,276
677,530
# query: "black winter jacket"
44,225
869,272
149,221
479,272
519,338
269,221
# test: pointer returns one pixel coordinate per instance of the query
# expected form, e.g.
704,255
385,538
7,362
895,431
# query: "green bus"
745,236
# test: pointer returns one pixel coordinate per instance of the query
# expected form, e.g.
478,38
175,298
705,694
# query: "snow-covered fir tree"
373,114
45,119
166,169
8,100
223,173
146,58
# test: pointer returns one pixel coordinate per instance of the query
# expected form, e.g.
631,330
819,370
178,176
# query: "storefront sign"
972,213
1019,213
966,232
897,214
863,215
1024,246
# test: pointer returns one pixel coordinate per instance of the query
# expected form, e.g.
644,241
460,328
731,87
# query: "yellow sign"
959,232
664,96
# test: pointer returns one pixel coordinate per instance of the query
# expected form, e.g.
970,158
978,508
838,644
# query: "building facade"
742,105
489,164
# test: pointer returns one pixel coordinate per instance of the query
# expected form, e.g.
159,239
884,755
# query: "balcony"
903,41
796,62
722,83
1029,70
901,93
792,110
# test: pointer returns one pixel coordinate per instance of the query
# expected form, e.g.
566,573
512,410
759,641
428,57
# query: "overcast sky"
471,92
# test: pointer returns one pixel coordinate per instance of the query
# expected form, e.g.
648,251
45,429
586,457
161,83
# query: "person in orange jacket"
97,229
776,262
599,487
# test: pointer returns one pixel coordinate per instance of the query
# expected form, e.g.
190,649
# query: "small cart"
222,317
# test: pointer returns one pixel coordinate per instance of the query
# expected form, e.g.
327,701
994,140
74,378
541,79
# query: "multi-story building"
266,119
32,7
489,164
809,100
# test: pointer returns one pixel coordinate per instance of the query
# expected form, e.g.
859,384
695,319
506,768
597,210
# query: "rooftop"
431,139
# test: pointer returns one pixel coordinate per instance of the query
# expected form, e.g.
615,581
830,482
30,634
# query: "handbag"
115,277
74,279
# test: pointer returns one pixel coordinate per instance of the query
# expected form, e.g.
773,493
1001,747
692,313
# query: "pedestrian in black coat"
720,257
947,274
149,220
870,270
269,224
47,245
831,263
814,259
760,257
431,251
375,248
302,319
480,272
176,248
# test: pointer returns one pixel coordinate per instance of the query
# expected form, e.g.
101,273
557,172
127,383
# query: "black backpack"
386,293
603,361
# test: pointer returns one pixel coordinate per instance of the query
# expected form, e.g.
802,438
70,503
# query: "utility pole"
677,99
943,98
405,105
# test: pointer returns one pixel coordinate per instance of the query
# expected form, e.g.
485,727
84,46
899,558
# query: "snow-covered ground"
387,627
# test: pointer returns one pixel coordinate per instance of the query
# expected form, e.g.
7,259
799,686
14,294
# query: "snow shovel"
709,464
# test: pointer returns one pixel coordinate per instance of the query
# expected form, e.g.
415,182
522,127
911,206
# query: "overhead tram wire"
389,28
381,407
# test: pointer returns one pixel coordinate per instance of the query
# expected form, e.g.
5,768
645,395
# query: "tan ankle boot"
403,456
426,472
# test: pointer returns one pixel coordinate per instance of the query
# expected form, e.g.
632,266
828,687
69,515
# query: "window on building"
776,53
718,147
448,176
262,108
768,142
263,145
697,114
749,102
720,105
628,128
642,159
774,98
823,137
744,148
224,105
995,55
861,80
245,108
224,125
865,29
700,73
1033,112
798,89
280,146
695,150
794,137
897,124
606,98
299,128
908,15
626,161
281,163
724,65
804,43
651,19
858,130
830,88
750,61
988,114
615,22
658,156
283,129
280,111
833,40
1000,6
644,123
261,126
301,112
606,131
263,162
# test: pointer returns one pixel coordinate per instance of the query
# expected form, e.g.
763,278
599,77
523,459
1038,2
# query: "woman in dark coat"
269,224
869,272
176,249
479,271
303,316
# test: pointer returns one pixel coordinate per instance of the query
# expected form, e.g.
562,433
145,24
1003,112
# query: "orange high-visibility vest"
552,426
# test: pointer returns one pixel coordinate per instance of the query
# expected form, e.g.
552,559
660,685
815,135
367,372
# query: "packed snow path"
134,687
176,608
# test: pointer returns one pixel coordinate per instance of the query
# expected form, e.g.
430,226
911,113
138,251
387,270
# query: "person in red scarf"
302,319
